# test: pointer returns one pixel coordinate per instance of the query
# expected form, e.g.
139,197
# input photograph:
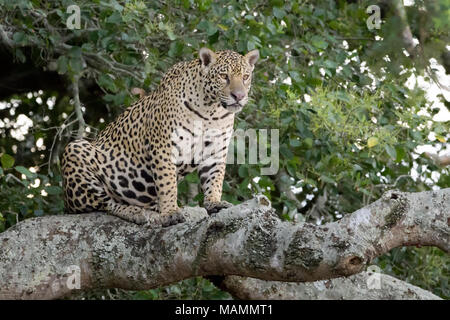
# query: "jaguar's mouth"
234,107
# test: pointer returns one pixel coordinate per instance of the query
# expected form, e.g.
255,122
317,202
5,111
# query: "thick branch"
439,160
405,33
361,286
247,240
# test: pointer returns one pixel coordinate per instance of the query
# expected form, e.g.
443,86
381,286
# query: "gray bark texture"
362,286
49,257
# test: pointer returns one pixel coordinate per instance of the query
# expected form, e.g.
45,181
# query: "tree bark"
361,286
39,257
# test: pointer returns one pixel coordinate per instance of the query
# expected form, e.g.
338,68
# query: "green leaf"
294,142
183,187
308,143
7,161
243,171
19,38
25,171
330,64
53,190
207,26
192,177
76,65
107,82
401,153
115,18
391,151
327,179
62,65
319,42
176,49
279,13
74,52
171,35
199,197
286,152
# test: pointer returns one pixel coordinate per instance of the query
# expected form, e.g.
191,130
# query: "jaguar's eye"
246,76
224,76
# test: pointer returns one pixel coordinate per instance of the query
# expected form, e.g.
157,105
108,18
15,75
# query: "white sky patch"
345,44
20,127
39,143
296,190
35,183
432,89
287,81
51,102
307,97
322,72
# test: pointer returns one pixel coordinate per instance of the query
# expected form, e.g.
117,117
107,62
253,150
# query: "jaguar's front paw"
166,220
172,219
214,207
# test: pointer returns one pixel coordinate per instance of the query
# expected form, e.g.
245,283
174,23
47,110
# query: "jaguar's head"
227,77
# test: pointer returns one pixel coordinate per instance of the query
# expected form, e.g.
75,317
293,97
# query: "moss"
261,245
342,245
298,254
398,210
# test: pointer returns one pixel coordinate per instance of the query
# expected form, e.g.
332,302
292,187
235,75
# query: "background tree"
349,102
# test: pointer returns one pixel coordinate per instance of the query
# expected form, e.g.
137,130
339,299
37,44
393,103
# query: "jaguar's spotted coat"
132,168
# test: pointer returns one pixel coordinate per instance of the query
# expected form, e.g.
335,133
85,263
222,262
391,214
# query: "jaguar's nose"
238,95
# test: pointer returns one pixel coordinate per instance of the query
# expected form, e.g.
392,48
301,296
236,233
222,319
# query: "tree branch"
441,161
247,240
361,286
405,32
77,106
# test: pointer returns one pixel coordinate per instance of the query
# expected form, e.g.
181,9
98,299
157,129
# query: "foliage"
30,196
349,126
425,267
193,289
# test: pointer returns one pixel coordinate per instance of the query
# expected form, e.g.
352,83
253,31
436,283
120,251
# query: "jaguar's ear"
252,57
207,56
